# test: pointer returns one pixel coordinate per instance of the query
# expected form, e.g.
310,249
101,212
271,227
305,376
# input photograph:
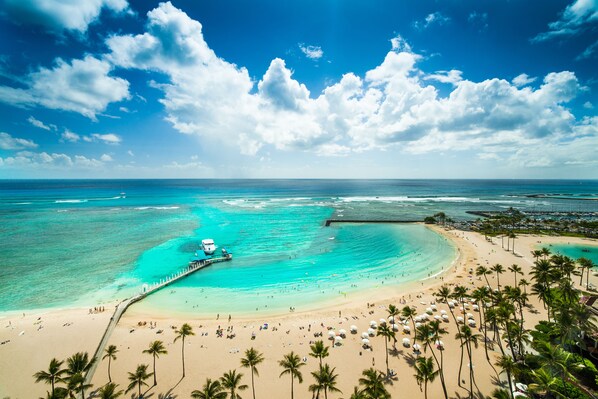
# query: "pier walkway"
330,221
122,306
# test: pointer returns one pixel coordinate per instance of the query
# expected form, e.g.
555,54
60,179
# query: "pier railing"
122,306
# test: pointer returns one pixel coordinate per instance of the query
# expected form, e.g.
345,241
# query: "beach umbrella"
406,342
364,335
459,319
394,327
331,333
382,322
470,316
353,329
437,317
434,308
418,325
365,341
471,323
439,344
425,317
391,319
342,332
338,340
418,318
373,324
476,308
445,317
406,328
443,311
429,311
416,347
451,304
371,332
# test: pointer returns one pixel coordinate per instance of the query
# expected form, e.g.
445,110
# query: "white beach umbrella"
338,340
437,317
443,311
416,347
476,308
353,329
429,311
364,335
406,342
373,324
331,333
521,386
365,341
425,317
434,308
470,316
394,327
471,323
418,318
371,332
342,332
451,304
406,328
391,319
439,344
382,322
445,317
459,319
417,325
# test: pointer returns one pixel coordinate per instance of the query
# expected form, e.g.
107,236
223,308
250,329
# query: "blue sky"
342,89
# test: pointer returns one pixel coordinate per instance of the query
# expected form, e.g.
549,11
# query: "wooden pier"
146,290
330,221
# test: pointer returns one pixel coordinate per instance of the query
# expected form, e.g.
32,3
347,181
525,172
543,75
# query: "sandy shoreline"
64,332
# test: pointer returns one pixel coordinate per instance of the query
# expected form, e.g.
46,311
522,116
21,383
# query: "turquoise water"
577,251
76,243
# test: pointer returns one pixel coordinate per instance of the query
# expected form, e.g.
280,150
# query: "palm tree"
291,365
232,381
513,236
459,293
325,380
498,269
76,383
585,264
507,365
251,360
185,331
392,311
544,383
524,283
77,366
386,332
156,349
110,353
138,378
409,313
373,384
424,367
211,390
109,391
516,270
319,350
483,271
429,334
536,254
500,393
545,252
51,376
358,394
468,339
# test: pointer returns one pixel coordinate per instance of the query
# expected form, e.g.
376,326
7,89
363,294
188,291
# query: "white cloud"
130,153
435,18
523,80
7,142
453,76
575,17
109,138
70,136
58,15
106,158
42,161
588,52
82,86
38,123
312,52
393,106
588,105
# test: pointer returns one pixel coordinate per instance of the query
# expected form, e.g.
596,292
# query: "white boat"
208,246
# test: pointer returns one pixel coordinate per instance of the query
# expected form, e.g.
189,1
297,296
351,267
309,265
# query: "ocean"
82,242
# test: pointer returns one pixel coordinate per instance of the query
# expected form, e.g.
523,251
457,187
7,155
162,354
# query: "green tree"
373,384
498,269
77,367
110,353
52,376
251,360
326,380
386,332
232,381
156,348
470,340
319,350
424,368
185,331
291,363
109,391
409,312
211,390
515,269
138,377
507,365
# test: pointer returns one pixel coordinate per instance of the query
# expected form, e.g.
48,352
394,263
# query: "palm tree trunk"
139,386
425,389
470,370
109,361
461,341
325,393
386,347
252,384
441,371
183,355
155,381
510,384
52,386
292,378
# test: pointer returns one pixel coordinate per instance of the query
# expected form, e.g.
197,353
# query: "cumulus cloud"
58,15
82,86
394,105
523,80
312,52
106,158
39,124
7,142
435,18
109,138
43,160
576,16
69,136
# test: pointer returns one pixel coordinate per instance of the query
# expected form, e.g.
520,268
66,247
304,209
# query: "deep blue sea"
80,242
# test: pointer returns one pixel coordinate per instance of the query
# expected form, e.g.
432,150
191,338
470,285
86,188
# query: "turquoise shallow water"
577,251
75,243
